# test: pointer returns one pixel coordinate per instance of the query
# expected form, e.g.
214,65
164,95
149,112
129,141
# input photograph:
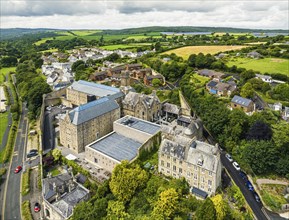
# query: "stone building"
146,107
221,88
198,162
247,105
129,137
87,123
82,92
61,194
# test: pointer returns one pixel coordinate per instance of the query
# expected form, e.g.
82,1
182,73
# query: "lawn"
272,195
121,46
3,124
185,52
199,80
266,65
4,71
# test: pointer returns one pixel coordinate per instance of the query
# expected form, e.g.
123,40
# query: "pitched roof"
212,83
132,98
241,101
92,110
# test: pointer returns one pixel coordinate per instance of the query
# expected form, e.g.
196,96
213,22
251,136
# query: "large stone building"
146,107
129,137
87,123
198,162
60,195
82,92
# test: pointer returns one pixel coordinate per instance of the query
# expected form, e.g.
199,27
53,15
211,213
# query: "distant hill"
7,33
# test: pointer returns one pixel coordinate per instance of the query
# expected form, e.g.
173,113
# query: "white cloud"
83,14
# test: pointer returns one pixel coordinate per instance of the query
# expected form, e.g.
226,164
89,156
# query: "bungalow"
220,88
264,78
254,55
211,74
246,105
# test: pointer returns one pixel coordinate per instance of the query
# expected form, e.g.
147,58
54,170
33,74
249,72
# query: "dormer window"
201,160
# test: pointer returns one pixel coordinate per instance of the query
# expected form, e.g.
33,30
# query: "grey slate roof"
171,108
241,101
144,126
92,110
96,89
117,146
212,83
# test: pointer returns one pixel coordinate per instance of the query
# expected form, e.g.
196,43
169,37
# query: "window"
168,165
203,179
195,176
180,162
95,160
188,173
209,182
174,168
174,160
162,163
180,170
196,168
168,157
210,173
202,186
209,189
203,170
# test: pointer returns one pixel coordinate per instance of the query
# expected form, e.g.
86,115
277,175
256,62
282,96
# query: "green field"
266,65
85,32
3,124
122,46
4,71
185,52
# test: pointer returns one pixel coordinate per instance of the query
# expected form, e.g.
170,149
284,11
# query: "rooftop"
92,110
96,89
241,101
117,146
140,125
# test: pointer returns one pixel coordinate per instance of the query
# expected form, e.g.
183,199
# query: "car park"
18,169
228,156
256,197
236,166
36,207
249,186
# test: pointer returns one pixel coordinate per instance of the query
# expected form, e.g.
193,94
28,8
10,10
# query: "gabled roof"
212,83
92,110
241,101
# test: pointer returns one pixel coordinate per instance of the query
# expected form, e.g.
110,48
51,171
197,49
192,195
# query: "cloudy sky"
117,14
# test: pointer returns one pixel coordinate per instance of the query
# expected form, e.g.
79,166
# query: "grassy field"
272,196
3,124
85,32
122,46
266,65
4,71
185,52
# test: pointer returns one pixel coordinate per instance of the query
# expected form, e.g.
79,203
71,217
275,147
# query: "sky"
119,14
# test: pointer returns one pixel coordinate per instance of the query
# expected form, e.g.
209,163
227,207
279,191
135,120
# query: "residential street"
11,201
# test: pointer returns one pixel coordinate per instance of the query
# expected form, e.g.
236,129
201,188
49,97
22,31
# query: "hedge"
25,189
10,143
26,211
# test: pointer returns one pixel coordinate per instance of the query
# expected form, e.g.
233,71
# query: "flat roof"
139,124
117,146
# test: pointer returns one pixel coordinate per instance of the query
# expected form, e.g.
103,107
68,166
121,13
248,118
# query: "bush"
10,142
26,182
39,180
26,211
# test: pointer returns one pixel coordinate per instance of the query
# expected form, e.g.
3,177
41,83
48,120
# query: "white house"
264,78
51,78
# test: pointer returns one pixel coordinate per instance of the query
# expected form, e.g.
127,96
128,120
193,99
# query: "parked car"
236,166
32,153
256,196
249,186
228,156
48,108
243,175
36,207
18,169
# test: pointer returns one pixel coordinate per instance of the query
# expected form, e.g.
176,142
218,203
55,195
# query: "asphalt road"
11,202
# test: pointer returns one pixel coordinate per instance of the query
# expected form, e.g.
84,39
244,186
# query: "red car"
36,207
18,169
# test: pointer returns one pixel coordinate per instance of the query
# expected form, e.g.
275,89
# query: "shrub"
26,211
26,182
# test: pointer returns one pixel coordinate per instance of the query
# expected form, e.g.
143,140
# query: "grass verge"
25,183
26,211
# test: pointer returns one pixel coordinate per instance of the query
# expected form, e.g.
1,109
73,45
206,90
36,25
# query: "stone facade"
146,107
198,162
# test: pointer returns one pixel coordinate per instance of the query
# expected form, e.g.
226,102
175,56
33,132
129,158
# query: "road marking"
265,213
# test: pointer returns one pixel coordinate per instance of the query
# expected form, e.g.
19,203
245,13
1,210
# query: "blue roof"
241,101
96,89
92,110
117,146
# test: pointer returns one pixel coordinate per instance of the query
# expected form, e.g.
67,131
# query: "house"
211,74
146,107
52,78
98,76
149,79
220,88
221,55
254,55
87,123
246,105
141,73
264,78
129,137
166,59
198,162
67,76
170,111
60,195
286,113
61,85
276,106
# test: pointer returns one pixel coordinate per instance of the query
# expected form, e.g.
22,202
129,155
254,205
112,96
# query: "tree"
76,64
8,61
116,210
126,179
221,206
281,135
167,204
56,154
247,91
262,156
206,211
156,82
259,131
113,57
